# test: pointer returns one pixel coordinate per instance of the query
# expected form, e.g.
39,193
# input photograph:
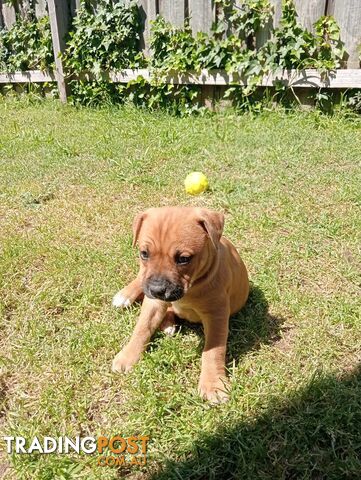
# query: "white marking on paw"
120,301
170,330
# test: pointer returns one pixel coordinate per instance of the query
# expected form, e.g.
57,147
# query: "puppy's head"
176,247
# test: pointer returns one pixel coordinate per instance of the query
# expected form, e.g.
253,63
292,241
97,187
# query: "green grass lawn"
71,182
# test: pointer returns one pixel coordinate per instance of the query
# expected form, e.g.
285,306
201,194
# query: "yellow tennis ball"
196,183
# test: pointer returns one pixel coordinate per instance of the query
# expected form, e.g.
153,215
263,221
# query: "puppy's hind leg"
128,294
168,325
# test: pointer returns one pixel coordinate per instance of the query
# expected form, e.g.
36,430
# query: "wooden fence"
202,14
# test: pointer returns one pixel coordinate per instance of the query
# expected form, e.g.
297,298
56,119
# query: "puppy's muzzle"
162,289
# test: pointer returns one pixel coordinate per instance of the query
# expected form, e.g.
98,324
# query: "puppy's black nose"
157,287
162,289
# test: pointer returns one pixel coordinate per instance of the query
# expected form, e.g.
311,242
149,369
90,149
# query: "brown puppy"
186,269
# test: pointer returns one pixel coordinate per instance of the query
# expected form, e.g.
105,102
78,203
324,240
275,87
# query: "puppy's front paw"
124,361
120,300
214,390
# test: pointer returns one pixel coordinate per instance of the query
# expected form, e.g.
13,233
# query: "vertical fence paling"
348,14
59,24
8,14
40,8
202,15
173,11
310,11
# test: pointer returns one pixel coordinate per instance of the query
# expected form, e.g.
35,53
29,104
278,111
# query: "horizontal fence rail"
31,76
309,78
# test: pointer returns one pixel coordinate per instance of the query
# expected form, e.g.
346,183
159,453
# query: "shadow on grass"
253,326
250,328
314,434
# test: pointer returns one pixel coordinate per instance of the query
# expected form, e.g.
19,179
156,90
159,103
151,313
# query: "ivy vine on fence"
27,45
105,39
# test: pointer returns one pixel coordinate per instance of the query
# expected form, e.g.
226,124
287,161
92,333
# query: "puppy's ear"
213,223
137,224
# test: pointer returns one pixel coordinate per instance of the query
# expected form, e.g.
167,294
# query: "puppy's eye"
144,255
183,259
